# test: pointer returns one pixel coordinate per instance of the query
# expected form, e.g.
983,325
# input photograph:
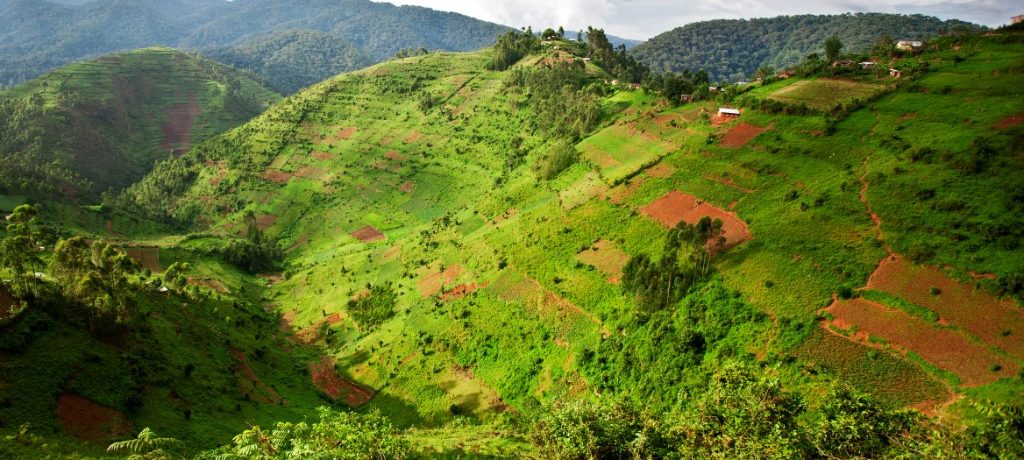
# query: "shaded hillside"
101,124
733,49
293,59
36,36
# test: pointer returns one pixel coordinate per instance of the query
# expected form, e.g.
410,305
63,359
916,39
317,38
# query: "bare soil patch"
346,133
1010,122
147,257
459,292
660,171
265,221
413,137
676,206
368,234
333,319
277,176
310,172
90,421
323,156
993,320
621,192
665,119
740,134
326,378
178,127
606,258
407,187
394,156
432,284
251,385
393,253
945,348
728,182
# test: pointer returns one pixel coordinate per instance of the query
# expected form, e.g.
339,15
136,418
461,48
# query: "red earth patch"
660,171
279,177
394,156
368,234
459,292
676,206
1010,122
251,385
90,421
178,127
995,321
432,283
326,378
147,257
310,172
606,258
323,156
945,348
740,134
407,187
265,221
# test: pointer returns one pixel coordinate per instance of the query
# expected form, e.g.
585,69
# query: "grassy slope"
103,119
517,340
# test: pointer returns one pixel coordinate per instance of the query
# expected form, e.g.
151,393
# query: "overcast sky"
641,19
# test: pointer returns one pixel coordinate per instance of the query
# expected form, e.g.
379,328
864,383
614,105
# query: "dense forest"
293,59
734,49
37,36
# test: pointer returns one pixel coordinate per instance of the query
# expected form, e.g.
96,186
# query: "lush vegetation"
100,125
734,49
41,36
482,263
290,60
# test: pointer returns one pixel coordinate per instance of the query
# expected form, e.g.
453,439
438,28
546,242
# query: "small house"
615,83
894,73
784,74
908,45
867,65
726,112
634,85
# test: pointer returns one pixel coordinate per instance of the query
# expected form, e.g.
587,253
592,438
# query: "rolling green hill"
517,264
101,125
731,50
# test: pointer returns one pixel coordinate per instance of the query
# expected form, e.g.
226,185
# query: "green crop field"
421,264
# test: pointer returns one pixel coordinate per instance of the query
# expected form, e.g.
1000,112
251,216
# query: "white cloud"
645,18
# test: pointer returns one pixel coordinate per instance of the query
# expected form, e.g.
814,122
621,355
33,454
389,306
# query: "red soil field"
276,176
603,159
326,378
718,120
1010,122
392,253
431,284
660,171
407,187
147,257
90,421
286,320
368,234
947,349
346,133
323,156
997,322
606,258
677,207
728,182
621,192
333,319
218,178
413,137
265,221
459,292
178,127
251,385
740,134
310,172
664,119
884,376
394,156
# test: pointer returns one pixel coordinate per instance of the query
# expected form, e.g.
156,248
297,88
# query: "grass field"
822,93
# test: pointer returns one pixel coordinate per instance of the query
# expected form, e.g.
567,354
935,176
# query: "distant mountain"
36,36
734,49
98,125
293,59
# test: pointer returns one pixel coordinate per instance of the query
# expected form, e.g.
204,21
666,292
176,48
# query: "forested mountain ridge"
732,49
100,125
293,59
38,35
